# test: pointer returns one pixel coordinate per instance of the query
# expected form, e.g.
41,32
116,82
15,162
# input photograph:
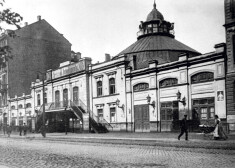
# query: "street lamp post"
43,128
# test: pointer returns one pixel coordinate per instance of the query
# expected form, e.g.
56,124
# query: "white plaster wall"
140,97
210,89
106,99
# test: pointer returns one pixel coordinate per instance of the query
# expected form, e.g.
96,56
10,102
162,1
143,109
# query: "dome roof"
157,43
154,14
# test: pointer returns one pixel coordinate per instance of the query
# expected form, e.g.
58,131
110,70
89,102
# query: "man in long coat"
184,128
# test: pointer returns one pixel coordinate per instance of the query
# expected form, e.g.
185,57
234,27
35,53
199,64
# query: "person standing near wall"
4,129
20,129
25,129
8,130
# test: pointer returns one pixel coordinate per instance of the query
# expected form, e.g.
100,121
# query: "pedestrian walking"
20,129
25,129
8,130
43,131
4,128
184,128
219,132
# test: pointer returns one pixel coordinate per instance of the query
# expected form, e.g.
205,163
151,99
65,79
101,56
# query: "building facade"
147,87
159,79
21,112
230,62
65,96
35,47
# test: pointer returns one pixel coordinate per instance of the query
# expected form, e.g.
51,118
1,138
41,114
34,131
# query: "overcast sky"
96,27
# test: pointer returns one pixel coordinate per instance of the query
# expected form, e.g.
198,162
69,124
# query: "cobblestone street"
27,153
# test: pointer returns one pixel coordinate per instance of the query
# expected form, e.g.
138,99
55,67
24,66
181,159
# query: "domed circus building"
153,83
147,87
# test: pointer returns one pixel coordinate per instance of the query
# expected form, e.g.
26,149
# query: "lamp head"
178,94
148,99
118,102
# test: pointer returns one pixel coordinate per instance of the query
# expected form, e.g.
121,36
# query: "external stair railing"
92,115
100,120
75,109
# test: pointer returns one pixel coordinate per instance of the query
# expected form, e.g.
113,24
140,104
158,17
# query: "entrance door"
142,118
169,113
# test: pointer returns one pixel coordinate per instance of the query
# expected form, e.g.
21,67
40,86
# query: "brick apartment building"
230,74
35,47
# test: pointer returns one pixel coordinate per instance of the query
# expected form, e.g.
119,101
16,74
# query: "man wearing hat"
184,128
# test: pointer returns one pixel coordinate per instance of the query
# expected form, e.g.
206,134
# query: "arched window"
75,95
202,77
168,82
111,86
141,87
28,105
57,98
13,107
20,106
38,100
99,88
65,97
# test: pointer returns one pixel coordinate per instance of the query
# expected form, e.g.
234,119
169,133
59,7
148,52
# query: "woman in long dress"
219,132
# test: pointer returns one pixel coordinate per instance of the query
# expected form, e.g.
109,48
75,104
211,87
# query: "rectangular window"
163,115
211,112
100,114
99,88
113,114
204,108
38,100
169,114
111,86
204,113
45,98
134,62
169,111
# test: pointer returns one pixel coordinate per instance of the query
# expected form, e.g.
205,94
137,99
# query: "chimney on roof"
107,57
26,24
79,55
39,17
75,57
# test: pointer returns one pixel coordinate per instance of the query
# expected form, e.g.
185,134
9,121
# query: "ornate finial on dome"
154,14
154,5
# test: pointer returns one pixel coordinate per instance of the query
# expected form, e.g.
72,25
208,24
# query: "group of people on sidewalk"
218,132
7,129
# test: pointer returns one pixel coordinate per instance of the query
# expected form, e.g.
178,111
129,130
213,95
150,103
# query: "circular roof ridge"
157,43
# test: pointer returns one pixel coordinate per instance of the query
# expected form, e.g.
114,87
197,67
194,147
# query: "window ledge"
106,96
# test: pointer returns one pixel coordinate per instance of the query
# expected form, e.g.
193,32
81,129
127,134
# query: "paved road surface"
26,153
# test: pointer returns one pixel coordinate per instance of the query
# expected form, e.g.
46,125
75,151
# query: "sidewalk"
196,140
